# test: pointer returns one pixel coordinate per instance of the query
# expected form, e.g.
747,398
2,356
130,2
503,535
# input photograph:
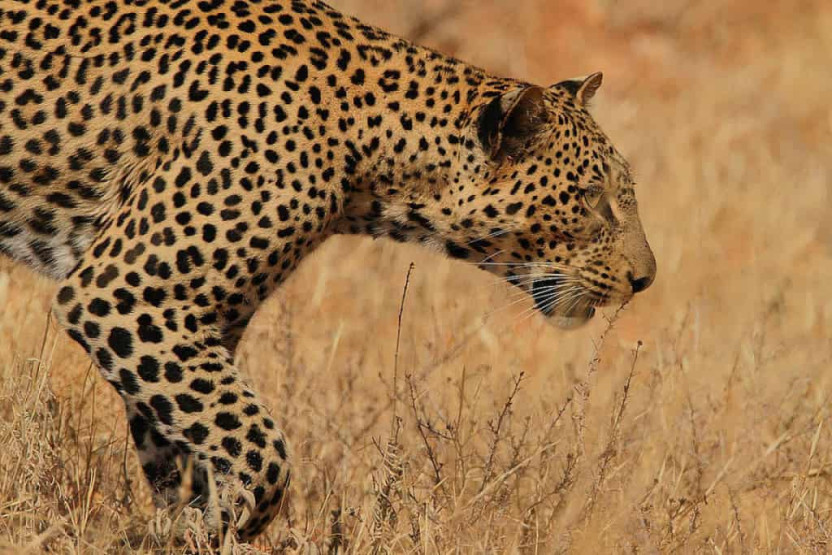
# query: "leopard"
170,162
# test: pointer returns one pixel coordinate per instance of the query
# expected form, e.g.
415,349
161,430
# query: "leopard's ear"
510,121
583,88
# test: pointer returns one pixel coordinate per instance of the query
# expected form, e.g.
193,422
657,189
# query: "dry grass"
698,421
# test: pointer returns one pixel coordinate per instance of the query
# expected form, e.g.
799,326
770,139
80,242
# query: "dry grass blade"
387,493
398,344
611,449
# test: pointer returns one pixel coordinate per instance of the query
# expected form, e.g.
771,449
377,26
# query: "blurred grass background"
514,436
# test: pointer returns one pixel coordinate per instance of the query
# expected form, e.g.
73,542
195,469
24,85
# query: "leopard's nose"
642,272
639,284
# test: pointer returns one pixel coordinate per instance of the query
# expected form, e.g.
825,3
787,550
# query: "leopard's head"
555,211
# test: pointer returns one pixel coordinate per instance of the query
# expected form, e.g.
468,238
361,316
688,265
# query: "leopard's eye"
592,196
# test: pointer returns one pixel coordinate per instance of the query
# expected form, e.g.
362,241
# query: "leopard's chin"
574,318
575,309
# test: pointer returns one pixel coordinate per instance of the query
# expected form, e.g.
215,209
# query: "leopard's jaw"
574,319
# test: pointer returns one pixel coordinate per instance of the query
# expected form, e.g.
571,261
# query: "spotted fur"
171,162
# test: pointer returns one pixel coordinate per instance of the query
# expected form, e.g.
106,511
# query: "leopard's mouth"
564,301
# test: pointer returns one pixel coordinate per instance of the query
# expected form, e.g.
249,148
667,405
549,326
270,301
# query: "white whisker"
557,281
543,304
560,279
571,296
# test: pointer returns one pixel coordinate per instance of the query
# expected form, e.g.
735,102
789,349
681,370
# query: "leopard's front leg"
152,302
187,405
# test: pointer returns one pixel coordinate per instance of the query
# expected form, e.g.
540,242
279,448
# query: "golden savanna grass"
697,420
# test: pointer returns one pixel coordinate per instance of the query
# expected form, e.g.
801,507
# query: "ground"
697,421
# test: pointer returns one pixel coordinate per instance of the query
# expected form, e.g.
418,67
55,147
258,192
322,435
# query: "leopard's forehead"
574,137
